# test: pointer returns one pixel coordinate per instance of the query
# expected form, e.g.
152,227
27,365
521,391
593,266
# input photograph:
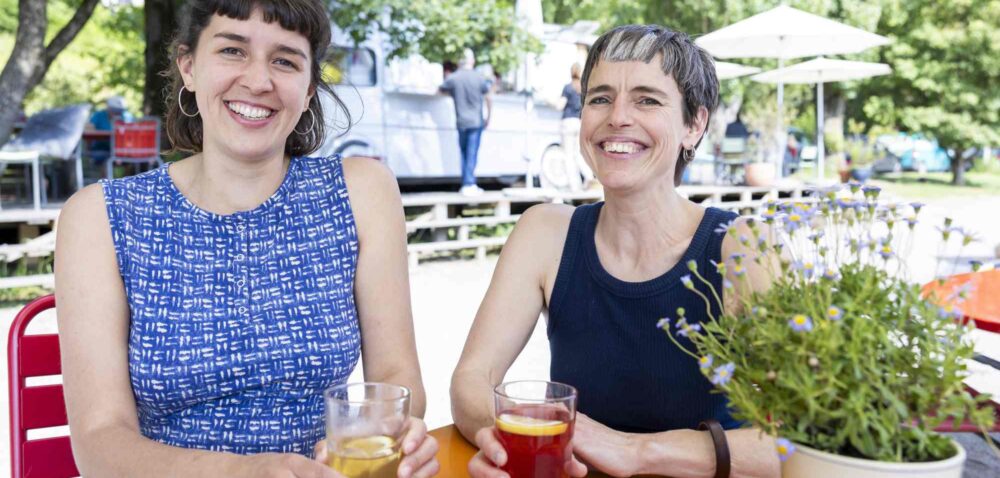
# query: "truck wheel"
356,147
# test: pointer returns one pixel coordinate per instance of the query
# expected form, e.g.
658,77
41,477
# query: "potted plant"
841,359
759,172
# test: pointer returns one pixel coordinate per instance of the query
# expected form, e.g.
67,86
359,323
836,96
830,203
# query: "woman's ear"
185,64
697,127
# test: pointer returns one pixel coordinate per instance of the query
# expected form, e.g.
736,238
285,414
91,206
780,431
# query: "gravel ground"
446,296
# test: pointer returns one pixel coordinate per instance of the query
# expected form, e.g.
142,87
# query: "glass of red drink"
534,421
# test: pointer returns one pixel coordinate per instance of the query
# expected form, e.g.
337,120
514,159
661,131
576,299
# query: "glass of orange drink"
365,423
534,422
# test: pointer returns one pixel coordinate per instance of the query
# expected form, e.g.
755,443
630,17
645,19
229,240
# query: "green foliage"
440,29
946,83
105,59
841,353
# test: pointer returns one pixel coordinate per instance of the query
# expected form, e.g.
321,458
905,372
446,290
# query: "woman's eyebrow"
281,47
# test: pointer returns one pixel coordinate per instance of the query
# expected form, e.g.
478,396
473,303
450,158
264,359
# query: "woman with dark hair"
205,306
605,274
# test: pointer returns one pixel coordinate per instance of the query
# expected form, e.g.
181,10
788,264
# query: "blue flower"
685,329
950,312
737,257
794,220
854,186
834,313
871,191
705,362
759,312
976,265
831,275
723,374
785,448
726,283
720,267
726,227
739,270
692,265
686,280
808,269
885,250
800,323
663,323
911,222
916,207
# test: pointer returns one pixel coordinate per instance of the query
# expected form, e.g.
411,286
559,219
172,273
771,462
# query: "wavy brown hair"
306,17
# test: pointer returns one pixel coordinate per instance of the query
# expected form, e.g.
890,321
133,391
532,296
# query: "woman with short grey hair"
605,274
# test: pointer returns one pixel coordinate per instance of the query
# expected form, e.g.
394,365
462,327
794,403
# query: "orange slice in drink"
528,426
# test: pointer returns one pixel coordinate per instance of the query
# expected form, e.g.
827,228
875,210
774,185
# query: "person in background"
115,109
205,306
470,91
569,128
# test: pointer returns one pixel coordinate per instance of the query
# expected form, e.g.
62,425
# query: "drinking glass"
534,421
365,423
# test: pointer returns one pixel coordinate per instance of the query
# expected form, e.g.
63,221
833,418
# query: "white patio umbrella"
725,70
819,71
784,33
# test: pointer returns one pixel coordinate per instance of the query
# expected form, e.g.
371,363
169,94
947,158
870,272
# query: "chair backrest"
34,407
136,140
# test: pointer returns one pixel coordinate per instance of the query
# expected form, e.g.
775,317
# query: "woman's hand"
491,456
607,450
419,452
282,465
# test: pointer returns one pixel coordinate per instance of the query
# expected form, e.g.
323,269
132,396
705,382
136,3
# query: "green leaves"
440,29
878,367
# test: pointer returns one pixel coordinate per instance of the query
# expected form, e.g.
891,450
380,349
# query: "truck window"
350,66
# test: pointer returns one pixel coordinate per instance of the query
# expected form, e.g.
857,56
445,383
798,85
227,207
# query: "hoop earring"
180,104
688,155
311,126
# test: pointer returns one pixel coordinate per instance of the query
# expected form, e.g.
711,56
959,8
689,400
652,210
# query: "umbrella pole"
782,134
820,147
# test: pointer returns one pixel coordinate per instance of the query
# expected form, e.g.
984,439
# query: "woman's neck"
641,235
224,185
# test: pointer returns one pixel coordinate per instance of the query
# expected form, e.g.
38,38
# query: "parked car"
910,152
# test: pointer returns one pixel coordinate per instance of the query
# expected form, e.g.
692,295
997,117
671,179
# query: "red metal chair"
137,142
34,407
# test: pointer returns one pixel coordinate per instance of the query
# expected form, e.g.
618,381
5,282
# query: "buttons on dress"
240,283
243,310
240,257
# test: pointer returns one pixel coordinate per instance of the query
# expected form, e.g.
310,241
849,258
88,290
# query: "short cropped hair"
688,64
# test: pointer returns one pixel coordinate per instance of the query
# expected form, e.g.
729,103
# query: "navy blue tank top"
605,342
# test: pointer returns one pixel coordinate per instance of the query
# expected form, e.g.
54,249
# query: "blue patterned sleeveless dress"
238,322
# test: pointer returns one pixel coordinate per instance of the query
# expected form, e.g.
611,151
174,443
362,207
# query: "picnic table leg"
36,192
79,166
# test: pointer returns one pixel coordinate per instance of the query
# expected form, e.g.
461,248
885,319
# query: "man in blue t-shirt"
103,120
469,90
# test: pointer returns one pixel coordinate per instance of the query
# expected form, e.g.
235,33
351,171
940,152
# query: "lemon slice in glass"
522,425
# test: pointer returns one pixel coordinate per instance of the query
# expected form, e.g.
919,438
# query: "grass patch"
19,296
912,185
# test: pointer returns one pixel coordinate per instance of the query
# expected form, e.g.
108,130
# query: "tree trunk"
958,168
30,59
161,21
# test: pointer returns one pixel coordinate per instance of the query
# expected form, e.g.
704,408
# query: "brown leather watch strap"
721,446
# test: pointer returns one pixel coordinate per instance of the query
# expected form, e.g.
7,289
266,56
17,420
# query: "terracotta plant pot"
807,462
760,174
845,175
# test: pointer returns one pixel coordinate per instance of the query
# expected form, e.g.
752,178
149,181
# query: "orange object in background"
982,304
